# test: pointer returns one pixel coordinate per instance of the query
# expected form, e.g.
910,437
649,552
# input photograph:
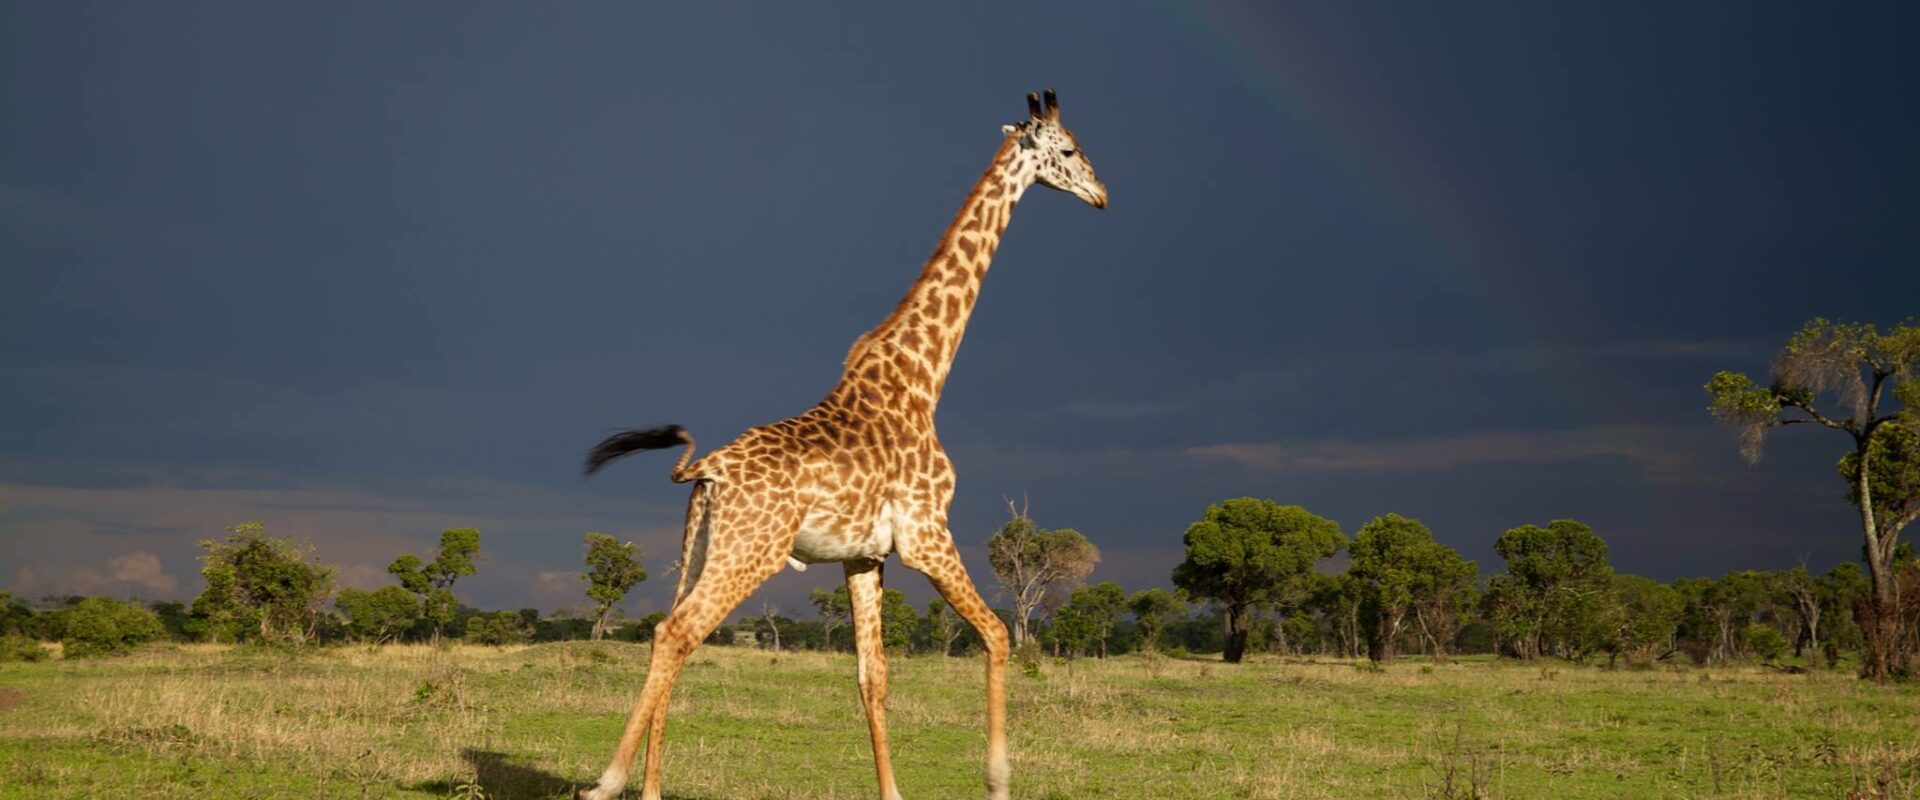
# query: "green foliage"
1247,551
1152,610
379,615
1554,595
433,581
943,626
270,585
898,620
1765,642
1396,567
15,647
1893,458
613,569
498,628
101,626
1644,617
1086,622
836,612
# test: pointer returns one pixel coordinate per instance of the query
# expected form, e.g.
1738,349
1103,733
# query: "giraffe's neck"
915,345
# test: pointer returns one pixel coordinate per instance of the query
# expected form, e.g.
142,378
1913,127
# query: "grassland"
532,722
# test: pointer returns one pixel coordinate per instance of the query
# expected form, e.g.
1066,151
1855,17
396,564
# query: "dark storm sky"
364,272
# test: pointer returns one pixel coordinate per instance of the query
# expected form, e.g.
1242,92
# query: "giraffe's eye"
1067,153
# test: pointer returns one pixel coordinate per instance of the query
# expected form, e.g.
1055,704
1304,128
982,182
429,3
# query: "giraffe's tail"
636,440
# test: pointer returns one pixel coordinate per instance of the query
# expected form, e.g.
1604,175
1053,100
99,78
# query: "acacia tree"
269,583
613,569
1851,367
1034,564
1152,610
433,580
1246,551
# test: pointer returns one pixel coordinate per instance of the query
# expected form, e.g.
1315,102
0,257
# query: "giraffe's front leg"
863,589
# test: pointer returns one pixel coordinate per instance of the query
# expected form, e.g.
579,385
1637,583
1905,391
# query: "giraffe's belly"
827,536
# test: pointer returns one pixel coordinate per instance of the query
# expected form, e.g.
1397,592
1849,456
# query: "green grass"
205,722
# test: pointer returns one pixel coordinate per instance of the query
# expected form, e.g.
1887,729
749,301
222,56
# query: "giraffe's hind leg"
930,551
743,548
693,557
864,592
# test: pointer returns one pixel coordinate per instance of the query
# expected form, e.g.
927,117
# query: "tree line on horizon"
1248,581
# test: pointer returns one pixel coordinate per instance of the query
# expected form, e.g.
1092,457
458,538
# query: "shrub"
100,626
21,648
1765,641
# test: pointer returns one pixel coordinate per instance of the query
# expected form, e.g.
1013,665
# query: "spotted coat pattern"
859,476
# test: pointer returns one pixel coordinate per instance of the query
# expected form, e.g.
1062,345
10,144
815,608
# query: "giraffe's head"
1048,152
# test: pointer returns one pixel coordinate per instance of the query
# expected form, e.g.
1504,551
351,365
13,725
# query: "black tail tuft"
633,441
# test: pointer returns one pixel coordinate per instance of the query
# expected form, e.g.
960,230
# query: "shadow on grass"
499,778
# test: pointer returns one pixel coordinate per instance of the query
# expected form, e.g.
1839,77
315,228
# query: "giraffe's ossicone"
856,478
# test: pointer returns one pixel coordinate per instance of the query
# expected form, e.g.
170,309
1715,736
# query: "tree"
1033,563
1395,560
944,627
1717,612
1152,610
612,570
101,626
1553,594
1801,590
1646,612
497,628
433,581
271,582
1094,611
1445,594
1246,551
836,611
898,620
1852,367
380,615
766,627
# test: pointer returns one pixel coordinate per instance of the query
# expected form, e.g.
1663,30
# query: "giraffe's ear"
1007,130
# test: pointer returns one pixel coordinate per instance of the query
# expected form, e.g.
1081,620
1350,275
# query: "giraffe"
858,477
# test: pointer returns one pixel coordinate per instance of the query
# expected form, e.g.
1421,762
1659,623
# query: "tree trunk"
1236,634
599,625
1439,648
1381,645
1881,629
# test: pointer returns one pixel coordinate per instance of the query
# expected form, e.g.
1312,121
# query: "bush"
21,648
1765,641
100,626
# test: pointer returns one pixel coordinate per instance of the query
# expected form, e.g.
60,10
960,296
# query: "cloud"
137,573
1655,448
557,589
362,576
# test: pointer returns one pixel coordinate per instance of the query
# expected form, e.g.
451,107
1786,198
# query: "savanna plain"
206,721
